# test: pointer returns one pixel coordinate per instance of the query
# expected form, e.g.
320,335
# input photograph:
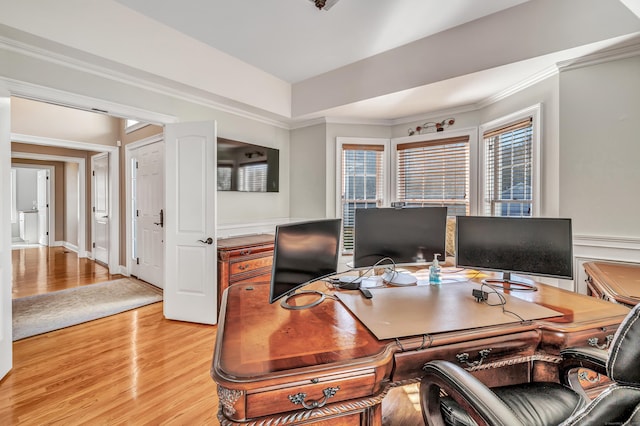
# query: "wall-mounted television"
528,245
410,235
247,167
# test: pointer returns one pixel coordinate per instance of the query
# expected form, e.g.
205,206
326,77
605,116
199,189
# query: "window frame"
340,143
534,112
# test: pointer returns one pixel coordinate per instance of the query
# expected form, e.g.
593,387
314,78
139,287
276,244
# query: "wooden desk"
615,282
322,366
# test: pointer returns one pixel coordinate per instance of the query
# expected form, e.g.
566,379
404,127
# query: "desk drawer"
601,337
323,391
249,251
479,353
245,266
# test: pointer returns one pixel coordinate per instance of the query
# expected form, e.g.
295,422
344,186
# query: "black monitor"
529,245
304,252
410,235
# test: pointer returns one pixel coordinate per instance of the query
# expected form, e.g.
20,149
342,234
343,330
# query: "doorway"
145,210
32,208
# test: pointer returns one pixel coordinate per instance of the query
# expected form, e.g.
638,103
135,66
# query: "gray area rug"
42,313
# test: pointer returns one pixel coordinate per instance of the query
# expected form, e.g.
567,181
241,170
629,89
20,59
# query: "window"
224,172
133,125
434,173
509,164
361,165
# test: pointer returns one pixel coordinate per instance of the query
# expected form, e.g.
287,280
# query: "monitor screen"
407,236
536,246
304,252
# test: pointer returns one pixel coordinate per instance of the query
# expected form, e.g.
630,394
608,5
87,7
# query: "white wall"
600,150
26,193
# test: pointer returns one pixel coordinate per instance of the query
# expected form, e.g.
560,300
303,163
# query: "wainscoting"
588,248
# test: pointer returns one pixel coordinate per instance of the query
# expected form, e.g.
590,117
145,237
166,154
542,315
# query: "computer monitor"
304,252
529,245
410,235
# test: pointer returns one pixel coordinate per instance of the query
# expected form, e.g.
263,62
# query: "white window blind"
253,177
434,173
224,173
508,169
362,185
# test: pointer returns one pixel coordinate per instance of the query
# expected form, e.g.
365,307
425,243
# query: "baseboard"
70,246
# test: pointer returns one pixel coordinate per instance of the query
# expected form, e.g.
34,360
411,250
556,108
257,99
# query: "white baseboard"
70,246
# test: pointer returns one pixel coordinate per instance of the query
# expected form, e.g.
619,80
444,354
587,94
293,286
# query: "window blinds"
253,177
508,167
435,173
362,185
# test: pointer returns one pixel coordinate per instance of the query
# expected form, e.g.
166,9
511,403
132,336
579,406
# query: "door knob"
207,241
161,223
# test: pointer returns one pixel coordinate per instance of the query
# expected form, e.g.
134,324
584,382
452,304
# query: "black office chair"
470,402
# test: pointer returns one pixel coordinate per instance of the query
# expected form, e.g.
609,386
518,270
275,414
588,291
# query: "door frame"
52,192
128,155
114,187
110,212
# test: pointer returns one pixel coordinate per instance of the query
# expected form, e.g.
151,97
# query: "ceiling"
376,61
294,41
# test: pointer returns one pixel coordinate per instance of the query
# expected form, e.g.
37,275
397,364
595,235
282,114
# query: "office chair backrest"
623,364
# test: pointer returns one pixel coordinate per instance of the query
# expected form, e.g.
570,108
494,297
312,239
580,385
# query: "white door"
190,222
43,207
100,208
6,344
149,201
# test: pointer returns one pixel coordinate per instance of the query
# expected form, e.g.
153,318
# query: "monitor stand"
506,283
285,302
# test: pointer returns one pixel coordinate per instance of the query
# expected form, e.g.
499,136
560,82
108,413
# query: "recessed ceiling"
293,40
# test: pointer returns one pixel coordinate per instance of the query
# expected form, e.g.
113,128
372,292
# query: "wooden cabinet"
244,259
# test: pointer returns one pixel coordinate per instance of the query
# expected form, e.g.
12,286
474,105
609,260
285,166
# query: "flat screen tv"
528,245
246,167
304,252
410,235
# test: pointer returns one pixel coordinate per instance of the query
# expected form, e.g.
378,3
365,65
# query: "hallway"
47,269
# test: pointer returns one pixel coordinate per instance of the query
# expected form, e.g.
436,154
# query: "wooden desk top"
620,281
258,341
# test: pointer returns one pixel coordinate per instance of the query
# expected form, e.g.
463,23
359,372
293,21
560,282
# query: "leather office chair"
470,402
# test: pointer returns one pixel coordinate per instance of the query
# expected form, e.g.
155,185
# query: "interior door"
43,207
190,222
150,213
6,339
100,209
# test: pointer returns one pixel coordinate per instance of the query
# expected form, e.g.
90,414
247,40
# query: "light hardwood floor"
132,368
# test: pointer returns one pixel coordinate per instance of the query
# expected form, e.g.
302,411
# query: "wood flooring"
132,368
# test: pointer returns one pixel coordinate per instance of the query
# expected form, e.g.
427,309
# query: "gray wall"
600,148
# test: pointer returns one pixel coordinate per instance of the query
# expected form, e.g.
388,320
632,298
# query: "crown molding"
163,88
607,55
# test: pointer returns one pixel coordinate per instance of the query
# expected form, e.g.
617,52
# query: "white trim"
525,84
608,55
589,248
254,228
534,111
62,143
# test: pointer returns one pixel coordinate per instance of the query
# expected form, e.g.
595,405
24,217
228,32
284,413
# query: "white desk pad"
424,309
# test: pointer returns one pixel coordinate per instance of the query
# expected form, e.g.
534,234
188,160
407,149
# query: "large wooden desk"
615,282
322,366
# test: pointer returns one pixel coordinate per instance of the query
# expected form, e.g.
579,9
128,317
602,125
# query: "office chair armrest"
574,359
472,395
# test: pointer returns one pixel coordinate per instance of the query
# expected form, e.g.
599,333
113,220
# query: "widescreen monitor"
410,235
528,245
304,252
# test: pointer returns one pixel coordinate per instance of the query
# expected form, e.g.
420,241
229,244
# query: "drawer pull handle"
299,397
593,341
583,375
243,267
463,358
245,252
